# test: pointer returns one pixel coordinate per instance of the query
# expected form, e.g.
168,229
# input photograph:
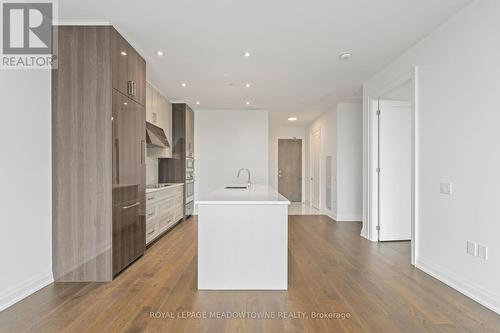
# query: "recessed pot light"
160,53
197,102
247,85
292,118
123,53
183,84
247,54
125,103
247,103
345,55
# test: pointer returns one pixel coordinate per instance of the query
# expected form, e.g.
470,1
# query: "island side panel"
243,247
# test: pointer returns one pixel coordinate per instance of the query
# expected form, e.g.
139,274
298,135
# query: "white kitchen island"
243,239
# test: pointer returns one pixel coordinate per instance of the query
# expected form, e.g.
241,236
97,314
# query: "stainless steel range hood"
156,137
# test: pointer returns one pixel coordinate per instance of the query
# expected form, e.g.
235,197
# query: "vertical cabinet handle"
131,90
117,162
142,151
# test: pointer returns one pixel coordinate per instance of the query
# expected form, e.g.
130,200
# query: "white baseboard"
330,214
341,218
24,289
363,232
469,289
349,218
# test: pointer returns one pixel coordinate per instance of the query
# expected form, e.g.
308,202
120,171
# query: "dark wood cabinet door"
189,132
127,231
120,59
129,178
137,75
129,70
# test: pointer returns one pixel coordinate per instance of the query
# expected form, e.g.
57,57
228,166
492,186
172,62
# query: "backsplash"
151,170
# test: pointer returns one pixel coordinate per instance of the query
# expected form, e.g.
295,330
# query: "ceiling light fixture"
247,54
345,55
123,53
197,102
292,118
247,85
160,53
247,103
183,84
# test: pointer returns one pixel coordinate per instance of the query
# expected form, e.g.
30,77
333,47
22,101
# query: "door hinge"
377,227
378,170
378,112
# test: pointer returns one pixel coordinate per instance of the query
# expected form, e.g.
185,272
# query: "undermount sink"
235,188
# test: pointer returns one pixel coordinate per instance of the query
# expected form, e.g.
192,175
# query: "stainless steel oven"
189,190
189,186
189,208
189,163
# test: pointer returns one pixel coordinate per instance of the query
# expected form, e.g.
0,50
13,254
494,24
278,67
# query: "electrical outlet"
482,251
445,188
471,248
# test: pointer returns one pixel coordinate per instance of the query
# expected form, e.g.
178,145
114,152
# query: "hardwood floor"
332,269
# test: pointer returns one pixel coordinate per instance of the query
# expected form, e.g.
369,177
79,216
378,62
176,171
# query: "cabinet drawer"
151,213
164,194
179,213
151,231
150,197
165,222
165,207
178,202
167,194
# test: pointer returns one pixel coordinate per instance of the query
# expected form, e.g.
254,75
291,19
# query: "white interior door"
315,148
395,171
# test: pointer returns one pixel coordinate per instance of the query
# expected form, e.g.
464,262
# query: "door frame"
371,187
311,134
300,137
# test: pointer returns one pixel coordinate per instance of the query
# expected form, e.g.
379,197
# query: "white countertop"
171,185
255,195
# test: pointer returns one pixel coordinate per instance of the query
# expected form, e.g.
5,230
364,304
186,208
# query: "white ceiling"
294,67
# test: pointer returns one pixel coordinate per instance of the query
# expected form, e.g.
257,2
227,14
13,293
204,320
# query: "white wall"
225,141
285,132
349,162
457,141
25,198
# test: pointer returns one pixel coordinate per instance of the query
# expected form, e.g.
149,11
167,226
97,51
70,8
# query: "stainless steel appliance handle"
133,205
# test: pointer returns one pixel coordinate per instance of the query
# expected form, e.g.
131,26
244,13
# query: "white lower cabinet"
163,210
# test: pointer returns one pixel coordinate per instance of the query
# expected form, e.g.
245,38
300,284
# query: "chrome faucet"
249,182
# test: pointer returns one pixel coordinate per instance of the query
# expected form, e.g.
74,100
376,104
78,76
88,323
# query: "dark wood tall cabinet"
180,168
98,147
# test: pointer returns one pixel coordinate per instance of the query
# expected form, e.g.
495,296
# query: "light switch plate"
445,188
471,248
482,251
